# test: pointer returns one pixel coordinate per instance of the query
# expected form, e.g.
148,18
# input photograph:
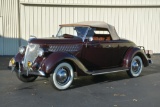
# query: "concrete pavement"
111,90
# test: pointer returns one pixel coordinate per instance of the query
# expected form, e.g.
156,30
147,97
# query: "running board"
107,71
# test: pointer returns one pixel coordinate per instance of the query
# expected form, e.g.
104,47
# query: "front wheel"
63,76
25,78
136,67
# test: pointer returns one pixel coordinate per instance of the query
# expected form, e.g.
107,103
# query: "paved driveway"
111,90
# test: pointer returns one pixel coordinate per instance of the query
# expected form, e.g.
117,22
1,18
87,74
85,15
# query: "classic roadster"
79,49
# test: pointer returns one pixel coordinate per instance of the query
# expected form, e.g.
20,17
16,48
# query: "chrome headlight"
22,49
40,52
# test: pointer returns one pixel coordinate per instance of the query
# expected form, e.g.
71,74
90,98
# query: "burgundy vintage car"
79,49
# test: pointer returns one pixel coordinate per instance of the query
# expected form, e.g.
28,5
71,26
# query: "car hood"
55,40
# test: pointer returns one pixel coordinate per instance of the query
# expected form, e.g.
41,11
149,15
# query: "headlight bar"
40,52
22,49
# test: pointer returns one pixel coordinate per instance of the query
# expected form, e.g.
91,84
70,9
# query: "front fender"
131,52
18,57
55,58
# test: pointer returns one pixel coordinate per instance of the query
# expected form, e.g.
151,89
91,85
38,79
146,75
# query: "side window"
102,35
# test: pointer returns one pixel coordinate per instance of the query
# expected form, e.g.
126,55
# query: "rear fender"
55,58
131,52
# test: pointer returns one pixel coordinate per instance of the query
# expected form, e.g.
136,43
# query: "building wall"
10,37
137,20
101,2
1,33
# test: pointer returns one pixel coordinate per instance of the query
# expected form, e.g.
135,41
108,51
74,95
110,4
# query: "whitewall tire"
136,67
62,76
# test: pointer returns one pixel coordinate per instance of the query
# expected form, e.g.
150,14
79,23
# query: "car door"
97,54
116,59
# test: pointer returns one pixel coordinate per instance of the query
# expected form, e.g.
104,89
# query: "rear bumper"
147,52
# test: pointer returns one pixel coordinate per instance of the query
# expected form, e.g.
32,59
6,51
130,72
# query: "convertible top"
100,25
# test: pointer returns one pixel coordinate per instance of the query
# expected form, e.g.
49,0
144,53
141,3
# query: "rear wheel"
62,77
136,67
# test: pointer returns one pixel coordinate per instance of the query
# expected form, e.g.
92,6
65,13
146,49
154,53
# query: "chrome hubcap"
136,66
62,76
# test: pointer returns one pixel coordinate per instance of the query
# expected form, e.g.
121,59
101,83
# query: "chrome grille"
30,54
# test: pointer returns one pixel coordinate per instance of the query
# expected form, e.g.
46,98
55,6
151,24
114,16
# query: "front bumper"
13,65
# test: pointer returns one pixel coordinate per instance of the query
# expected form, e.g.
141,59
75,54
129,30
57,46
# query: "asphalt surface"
111,90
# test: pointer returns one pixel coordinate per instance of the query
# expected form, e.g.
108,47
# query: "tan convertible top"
97,24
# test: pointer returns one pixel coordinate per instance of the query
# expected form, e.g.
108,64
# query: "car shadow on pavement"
89,80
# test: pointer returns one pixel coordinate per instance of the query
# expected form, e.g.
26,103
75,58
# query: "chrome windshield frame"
82,37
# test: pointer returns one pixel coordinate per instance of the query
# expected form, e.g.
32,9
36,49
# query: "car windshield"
73,31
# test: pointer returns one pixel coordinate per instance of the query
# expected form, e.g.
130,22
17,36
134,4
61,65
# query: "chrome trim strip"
24,60
109,72
41,73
